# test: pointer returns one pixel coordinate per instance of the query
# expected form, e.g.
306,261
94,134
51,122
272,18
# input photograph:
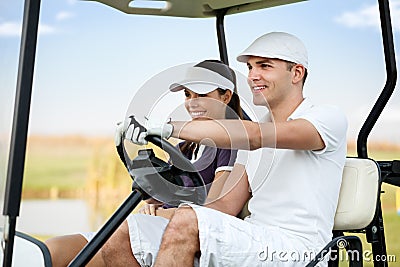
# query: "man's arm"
217,185
234,194
294,134
228,198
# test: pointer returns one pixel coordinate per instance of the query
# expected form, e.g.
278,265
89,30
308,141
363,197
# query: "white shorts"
229,241
224,241
145,233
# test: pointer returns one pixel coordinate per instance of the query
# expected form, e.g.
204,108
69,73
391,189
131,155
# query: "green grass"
68,172
391,226
59,163
392,235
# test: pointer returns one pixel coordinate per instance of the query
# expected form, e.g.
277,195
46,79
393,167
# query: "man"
294,188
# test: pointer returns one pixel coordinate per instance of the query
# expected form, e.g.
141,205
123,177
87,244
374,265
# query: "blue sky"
91,59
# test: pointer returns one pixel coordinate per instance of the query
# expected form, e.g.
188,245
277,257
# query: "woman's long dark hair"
234,110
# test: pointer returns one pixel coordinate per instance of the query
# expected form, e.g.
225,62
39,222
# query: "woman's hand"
150,209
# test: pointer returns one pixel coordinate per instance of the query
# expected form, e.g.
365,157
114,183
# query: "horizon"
75,138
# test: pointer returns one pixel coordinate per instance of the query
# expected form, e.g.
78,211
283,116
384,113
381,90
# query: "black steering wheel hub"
164,181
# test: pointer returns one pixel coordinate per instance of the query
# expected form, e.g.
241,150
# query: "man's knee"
182,231
182,225
184,217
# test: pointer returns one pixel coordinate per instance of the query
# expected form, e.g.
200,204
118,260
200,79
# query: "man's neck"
282,111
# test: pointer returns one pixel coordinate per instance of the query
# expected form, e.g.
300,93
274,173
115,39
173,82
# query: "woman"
209,89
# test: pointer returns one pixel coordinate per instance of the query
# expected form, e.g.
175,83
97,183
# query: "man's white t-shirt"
297,190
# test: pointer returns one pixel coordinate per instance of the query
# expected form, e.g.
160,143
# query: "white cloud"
13,29
368,16
10,29
46,29
72,2
395,14
64,15
383,130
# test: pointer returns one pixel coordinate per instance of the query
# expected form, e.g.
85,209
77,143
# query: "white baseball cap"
278,45
205,77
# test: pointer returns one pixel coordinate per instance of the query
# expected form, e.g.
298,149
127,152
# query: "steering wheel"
164,181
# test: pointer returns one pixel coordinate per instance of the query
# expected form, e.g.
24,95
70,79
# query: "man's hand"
133,130
136,133
119,131
161,129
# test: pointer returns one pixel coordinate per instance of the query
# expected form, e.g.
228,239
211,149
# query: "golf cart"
365,174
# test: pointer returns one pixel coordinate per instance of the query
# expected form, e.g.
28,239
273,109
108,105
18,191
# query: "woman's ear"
227,96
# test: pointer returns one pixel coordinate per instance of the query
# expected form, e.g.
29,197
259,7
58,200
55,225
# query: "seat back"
358,196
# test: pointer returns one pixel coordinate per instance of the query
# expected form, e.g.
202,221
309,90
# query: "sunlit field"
90,169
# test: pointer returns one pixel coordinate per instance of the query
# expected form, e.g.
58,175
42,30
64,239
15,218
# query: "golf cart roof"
191,8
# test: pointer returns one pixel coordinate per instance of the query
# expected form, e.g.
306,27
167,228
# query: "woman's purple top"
208,161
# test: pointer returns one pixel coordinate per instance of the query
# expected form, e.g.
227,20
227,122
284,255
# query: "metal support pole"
91,248
15,169
223,52
391,77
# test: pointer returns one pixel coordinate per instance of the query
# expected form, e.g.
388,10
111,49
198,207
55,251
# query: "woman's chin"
201,118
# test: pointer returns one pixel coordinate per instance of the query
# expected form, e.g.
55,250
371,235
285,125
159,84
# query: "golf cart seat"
358,196
358,200
356,210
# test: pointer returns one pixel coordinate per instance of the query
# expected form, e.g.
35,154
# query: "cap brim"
242,58
198,87
202,81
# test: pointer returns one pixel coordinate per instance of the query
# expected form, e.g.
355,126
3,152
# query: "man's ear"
299,72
